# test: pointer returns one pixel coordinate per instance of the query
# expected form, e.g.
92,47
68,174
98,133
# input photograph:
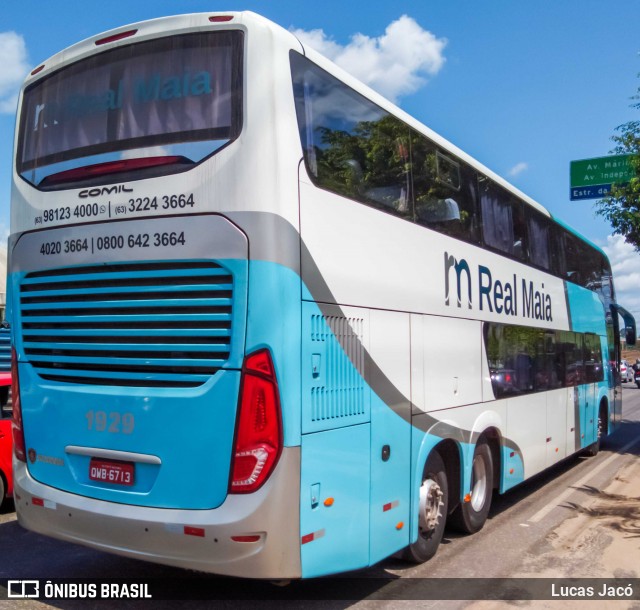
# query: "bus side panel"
450,351
558,417
527,427
274,322
570,398
334,391
334,500
342,346
390,436
586,310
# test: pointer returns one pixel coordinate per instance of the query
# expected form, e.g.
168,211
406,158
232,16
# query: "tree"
622,205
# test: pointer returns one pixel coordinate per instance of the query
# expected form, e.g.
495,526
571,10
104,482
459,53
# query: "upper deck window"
352,147
356,149
177,97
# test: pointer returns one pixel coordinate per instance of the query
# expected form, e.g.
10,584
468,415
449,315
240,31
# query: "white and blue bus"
266,324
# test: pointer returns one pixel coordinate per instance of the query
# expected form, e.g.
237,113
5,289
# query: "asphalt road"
516,536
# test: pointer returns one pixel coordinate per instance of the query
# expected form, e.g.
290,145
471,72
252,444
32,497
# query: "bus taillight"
259,428
18,432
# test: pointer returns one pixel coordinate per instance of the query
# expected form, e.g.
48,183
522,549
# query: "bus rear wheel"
471,514
434,502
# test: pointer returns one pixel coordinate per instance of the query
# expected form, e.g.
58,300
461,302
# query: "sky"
524,87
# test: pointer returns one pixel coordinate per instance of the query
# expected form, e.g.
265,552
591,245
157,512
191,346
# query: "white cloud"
13,59
625,263
394,64
518,168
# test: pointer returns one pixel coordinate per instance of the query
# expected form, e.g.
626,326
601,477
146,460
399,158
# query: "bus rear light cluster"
19,447
259,426
112,167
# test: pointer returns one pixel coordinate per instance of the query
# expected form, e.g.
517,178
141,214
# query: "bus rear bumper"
193,539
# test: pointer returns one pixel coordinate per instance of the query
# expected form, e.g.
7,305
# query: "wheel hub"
479,488
430,503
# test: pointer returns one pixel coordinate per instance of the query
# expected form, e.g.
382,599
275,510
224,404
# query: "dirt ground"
601,540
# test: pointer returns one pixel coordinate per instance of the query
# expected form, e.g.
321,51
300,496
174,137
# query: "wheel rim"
479,483
430,503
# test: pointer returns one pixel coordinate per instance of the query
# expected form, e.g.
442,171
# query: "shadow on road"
626,432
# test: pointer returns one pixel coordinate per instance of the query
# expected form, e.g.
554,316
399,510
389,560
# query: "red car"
6,448
6,442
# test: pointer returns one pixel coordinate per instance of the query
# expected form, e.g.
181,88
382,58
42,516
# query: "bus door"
614,367
588,414
593,374
582,379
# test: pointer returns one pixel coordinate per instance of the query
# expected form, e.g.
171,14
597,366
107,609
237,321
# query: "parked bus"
266,324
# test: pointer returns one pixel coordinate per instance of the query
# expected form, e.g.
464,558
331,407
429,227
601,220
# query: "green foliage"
383,163
374,154
622,206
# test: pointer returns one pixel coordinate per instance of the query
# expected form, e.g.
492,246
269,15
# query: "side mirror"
629,323
630,335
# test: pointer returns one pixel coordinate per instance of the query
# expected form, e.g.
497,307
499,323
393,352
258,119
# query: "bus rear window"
178,97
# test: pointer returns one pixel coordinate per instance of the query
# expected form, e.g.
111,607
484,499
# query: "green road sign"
601,171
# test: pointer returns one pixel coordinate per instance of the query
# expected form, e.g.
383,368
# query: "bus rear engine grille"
130,324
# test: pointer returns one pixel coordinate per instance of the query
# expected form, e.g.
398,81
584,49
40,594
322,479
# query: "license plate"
106,471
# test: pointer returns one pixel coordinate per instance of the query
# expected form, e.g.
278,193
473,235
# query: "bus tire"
470,516
2,490
434,502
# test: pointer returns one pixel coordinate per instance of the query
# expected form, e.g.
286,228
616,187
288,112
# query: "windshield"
174,97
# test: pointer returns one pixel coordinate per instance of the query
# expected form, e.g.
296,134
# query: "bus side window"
538,238
573,359
351,146
523,360
503,222
558,265
573,264
594,370
444,191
